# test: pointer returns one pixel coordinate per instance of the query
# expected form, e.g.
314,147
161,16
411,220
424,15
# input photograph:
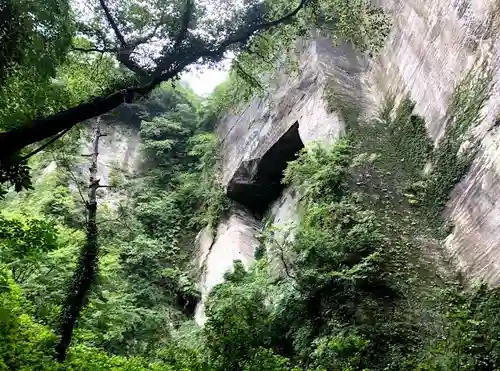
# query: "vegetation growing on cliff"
430,174
358,293
358,290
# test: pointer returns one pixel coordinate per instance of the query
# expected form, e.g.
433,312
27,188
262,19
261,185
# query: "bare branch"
245,34
75,180
97,50
44,146
287,269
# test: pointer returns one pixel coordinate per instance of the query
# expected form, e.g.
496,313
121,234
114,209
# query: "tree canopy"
155,41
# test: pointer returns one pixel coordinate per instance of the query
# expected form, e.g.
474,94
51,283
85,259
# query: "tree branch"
16,139
141,40
185,21
166,61
89,50
122,54
67,167
39,129
123,57
113,24
42,147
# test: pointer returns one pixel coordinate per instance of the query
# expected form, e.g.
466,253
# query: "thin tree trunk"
86,271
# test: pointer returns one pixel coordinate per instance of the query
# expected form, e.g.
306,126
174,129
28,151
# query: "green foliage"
24,244
234,333
23,343
470,339
409,135
15,174
83,75
228,95
26,345
360,22
52,199
319,171
345,350
454,153
43,33
353,297
449,164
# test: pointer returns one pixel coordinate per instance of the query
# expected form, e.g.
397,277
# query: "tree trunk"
86,271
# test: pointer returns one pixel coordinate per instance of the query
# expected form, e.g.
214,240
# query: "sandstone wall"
234,239
432,46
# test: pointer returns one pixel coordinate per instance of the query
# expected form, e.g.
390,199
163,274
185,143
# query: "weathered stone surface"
247,136
285,210
119,155
235,239
431,47
257,183
118,150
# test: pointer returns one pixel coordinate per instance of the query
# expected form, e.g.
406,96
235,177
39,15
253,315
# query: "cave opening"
257,183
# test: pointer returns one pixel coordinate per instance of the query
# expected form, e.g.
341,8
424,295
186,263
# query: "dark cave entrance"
257,183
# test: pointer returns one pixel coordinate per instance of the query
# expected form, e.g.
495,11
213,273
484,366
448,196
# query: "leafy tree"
24,244
182,43
35,38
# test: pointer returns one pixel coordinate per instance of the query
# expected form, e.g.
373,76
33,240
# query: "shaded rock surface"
257,182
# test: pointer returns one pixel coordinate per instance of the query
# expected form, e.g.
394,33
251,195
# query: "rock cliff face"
235,239
258,142
431,48
118,155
